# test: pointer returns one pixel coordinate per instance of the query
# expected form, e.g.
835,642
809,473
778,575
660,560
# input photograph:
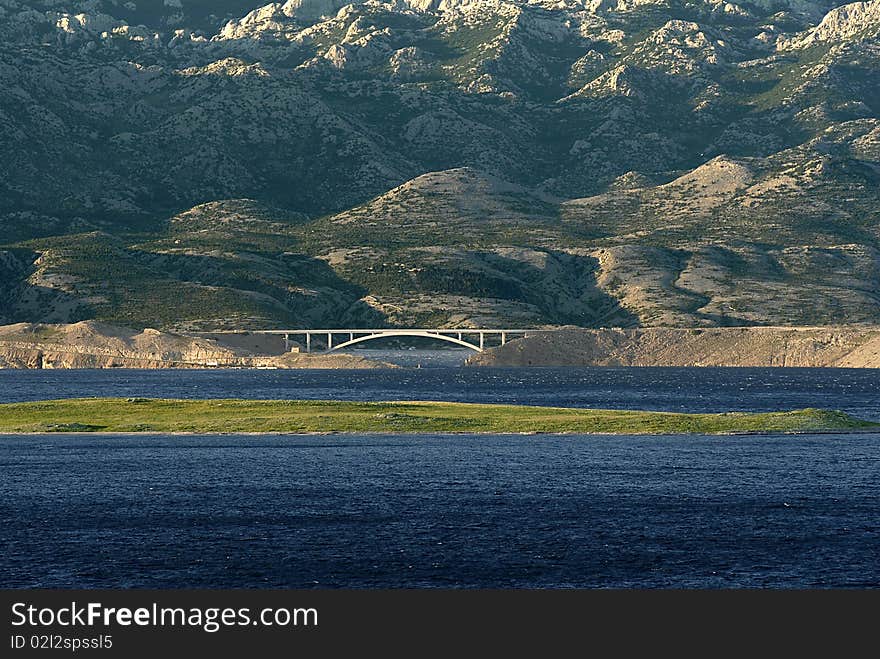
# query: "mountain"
188,164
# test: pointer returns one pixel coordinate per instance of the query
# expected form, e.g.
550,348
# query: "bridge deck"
360,335
378,330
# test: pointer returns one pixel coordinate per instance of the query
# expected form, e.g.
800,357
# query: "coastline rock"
843,347
91,344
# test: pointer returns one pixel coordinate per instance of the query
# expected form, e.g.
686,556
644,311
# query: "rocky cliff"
844,347
97,345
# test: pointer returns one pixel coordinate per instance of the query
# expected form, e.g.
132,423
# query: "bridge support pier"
329,340
308,341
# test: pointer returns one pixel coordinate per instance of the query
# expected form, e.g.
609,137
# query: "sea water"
467,511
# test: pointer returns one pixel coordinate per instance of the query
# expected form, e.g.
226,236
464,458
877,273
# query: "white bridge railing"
332,340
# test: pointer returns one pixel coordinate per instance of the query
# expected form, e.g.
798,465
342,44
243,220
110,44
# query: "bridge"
332,340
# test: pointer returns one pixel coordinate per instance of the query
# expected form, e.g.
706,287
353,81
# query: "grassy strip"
230,416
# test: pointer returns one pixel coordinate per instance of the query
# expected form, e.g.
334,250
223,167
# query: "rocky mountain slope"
190,164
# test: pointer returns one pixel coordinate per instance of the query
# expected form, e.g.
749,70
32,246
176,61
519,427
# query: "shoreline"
832,346
379,366
487,433
96,345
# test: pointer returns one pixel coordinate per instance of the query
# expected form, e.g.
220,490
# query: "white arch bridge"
331,340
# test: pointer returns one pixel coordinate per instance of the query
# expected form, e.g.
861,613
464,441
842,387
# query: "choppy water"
491,511
442,511
673,389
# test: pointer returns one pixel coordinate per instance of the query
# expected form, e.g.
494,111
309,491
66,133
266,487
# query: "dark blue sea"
770,511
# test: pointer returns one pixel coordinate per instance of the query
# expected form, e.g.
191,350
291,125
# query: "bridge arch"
426,335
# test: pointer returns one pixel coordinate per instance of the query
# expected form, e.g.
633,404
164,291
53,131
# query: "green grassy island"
294,416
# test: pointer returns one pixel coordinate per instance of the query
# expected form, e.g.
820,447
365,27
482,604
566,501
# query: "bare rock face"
96,345
845,347
12,357
856,20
